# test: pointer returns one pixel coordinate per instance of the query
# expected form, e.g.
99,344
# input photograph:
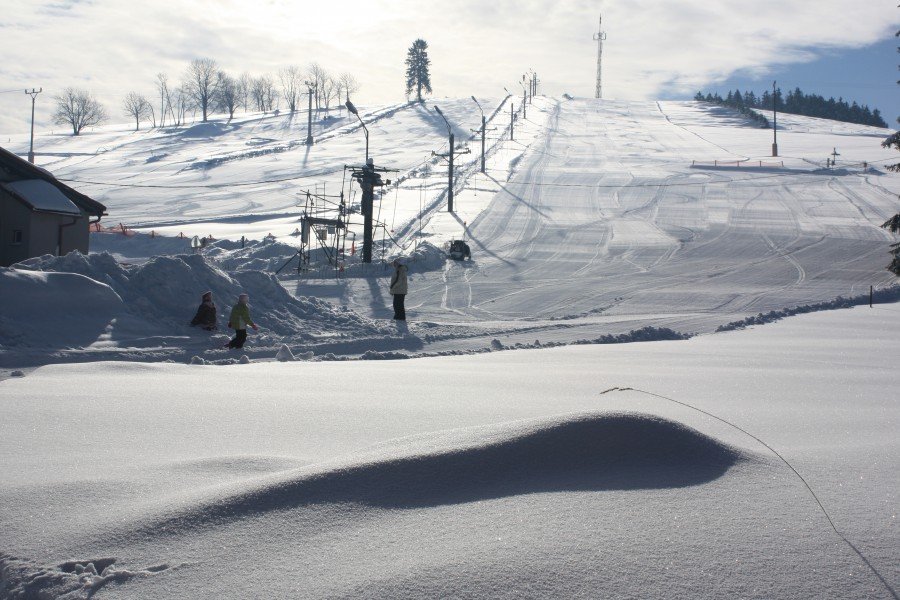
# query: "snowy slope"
598,220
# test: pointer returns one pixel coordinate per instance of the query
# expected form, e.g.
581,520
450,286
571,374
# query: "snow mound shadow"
575,453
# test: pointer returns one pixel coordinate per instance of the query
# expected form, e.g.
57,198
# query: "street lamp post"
353,110
450,158
774,121
483,126
524,97
311,89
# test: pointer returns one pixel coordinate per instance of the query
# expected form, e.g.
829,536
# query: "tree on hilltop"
78,109
138,107
417,64
202,83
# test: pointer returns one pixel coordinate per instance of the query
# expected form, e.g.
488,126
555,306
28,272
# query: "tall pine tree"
417,76
893,224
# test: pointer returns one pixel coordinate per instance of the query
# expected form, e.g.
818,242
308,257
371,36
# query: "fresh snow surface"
563,472
522,448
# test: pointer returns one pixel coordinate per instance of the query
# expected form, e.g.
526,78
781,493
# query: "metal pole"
774,121
33,93
512,117
309,137
450,177
483,126
368,197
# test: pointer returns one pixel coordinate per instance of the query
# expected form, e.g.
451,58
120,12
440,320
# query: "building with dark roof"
39,214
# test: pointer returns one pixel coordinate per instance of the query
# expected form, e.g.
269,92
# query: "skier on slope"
398,289
206,313
239,319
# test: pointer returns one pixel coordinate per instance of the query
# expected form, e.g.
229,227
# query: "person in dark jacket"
206,313
398,290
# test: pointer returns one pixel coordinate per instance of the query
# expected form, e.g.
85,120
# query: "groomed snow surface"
746,448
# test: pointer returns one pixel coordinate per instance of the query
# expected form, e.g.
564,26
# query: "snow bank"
166,290
576,452
889,294
66,309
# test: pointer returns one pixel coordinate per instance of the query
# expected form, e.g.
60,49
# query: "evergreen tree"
417,63
893,224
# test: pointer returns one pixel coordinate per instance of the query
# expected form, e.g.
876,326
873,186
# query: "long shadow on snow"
587,453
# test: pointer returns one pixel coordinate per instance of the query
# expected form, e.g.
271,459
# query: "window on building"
16,237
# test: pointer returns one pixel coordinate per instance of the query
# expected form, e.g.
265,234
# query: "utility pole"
512,120
599,37
774,121
33,93
449,157
311,89
369,177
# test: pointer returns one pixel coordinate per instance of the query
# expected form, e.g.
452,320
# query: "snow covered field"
518,451
529,473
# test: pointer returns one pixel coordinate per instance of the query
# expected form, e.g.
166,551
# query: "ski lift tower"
599,37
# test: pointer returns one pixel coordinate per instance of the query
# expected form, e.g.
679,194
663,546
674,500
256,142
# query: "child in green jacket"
239,319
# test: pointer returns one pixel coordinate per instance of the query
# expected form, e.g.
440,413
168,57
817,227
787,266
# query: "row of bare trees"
207,88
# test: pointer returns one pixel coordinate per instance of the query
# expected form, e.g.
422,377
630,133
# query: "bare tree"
181,103
316,74
263,93
78,109
348,85
137,106
245,87
291,86
227,98
330,91
202,83
162,86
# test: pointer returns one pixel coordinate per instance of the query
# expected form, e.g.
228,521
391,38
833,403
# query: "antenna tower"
599,37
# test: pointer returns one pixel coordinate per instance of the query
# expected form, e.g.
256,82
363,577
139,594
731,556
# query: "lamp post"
450,158
483,126
353,110
311,89
33,93
774,121
524,97
512,115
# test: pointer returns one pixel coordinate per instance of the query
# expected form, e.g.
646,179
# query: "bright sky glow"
655,48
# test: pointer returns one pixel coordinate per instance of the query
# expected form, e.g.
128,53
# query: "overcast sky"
654,48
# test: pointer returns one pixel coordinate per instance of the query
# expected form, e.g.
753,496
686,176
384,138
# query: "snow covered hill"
597,220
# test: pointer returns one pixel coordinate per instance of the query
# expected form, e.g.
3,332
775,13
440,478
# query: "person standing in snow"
206,313
239,319
398,289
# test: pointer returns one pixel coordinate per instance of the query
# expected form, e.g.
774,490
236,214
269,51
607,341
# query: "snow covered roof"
42,196
14,168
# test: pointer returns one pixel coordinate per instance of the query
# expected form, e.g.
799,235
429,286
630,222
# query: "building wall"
40,232
13,216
